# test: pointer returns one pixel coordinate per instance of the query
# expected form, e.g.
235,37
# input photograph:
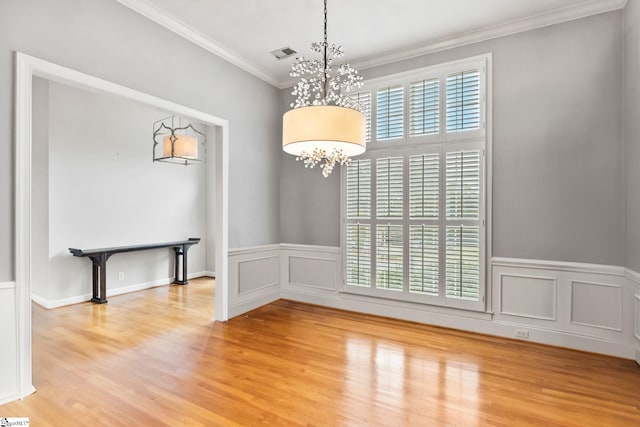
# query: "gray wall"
309,202
632,130
107,40
557,178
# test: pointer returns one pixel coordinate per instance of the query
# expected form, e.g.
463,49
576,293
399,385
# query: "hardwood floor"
155,358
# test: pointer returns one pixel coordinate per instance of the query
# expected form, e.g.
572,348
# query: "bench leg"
96,280
100,289
181,279
184,265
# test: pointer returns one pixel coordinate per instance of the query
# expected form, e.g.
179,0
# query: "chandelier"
325,126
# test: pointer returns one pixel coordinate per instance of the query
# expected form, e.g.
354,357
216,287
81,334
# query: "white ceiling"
372,32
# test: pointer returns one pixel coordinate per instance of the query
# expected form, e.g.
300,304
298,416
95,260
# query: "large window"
414,204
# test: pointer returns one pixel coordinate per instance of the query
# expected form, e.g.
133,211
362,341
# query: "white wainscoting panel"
314,272
590,307
9,345
528,296
582,306
596,304
311,269
258,273
254,278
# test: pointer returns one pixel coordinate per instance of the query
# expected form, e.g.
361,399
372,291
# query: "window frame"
409,145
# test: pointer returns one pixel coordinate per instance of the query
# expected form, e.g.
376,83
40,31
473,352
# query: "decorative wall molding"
610,305
633,277
525,298
253,249
311,269
7,285
254,277
557,16
310,248
574,267
194,36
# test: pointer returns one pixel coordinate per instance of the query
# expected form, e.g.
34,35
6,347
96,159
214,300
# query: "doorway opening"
28,67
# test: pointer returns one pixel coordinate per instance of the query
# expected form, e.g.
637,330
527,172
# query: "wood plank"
156,358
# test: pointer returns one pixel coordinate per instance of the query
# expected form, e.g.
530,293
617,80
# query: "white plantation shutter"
463,101
414,203
359,254
424,186
424,259
364,99
463,184
389,257
389,187
462,231
424,106
359,189
358,229
390,113
463,262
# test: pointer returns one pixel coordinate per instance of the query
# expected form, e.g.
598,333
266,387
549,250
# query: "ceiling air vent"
283,53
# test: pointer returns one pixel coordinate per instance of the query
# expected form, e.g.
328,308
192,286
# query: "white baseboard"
16,396
77,299
9,398
50,304
248,305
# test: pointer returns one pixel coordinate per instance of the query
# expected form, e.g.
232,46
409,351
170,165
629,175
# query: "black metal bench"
100,256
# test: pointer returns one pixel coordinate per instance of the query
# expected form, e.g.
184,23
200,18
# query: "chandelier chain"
326,45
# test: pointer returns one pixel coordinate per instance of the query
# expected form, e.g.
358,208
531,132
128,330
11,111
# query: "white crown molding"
557,16
147,10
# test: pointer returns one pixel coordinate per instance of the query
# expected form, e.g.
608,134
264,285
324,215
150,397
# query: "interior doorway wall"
26,68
